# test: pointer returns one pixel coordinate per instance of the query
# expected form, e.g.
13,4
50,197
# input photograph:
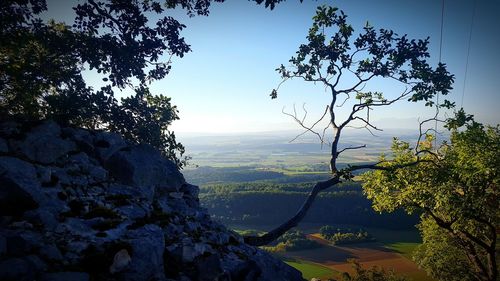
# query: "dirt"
368,254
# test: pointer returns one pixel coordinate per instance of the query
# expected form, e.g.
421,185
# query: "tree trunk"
293,221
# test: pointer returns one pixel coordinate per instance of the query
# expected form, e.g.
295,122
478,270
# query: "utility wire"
468,53
441,35
440,52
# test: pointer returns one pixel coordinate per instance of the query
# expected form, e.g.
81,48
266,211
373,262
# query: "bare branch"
367,123
302,124
361,81
351,148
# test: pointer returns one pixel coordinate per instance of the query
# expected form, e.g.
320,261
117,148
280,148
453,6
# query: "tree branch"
301,123
293,221
352,147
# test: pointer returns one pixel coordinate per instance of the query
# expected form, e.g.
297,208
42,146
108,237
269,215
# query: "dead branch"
351,148
302,123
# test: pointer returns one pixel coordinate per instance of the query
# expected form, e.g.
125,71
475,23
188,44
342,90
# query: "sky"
223,85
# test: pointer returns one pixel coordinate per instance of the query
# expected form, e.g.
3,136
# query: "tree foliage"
333,57
129,43
41,72
456,190
371,274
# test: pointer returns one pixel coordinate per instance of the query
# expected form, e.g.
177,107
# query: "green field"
310,270
404,248
240,178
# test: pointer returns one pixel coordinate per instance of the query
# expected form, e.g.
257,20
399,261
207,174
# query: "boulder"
4,148
3,246
16,269
106,144
120,261
65,276
146,262
43,145
82,205
19,187
143,166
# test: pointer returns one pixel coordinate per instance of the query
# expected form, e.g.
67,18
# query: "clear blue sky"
223,85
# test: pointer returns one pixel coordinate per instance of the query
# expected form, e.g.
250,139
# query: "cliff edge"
85,205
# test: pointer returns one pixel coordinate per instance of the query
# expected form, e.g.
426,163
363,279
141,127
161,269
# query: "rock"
273,269
36,263
43,145
3,246
98,174
74,226
191,190
247,271
133,212
82,138
191,252
146,263
115,189
209,268
9,128
106,144
66,276
51,252
192,226
19,187
16,269
120,261
4,148
176,195
20,244
217,237
163,204
43,217
44,175
141,166
76,200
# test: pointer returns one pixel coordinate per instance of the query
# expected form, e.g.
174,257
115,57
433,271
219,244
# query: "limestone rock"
66,276
19,188
106,144
43,144
146,262
16,269
4,148
120,261
83,205
143,166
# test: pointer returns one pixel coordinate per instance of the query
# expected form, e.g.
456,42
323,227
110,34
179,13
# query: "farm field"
368,255
391,251
311,270
241,177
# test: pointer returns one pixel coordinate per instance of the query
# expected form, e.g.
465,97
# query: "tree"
372,274
331,57
457,193
41,65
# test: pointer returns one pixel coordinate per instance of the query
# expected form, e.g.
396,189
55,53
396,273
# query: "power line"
440,52
441,35
468,53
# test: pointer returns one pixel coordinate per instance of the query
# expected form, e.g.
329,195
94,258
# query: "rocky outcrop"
83,205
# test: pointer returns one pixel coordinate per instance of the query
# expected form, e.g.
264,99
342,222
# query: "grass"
310,270
404,248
